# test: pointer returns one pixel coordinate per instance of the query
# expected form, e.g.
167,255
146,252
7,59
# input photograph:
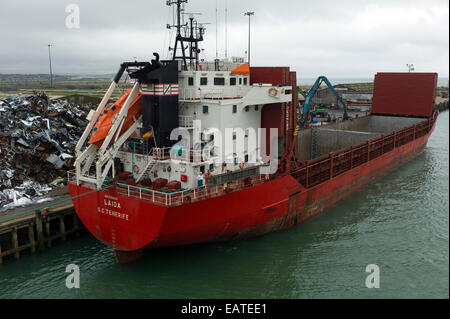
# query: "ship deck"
342,153
172,199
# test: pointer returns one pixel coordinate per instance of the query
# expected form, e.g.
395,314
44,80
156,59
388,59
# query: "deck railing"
185,121
177,198
319,170
161,154
180,197
192,156
195,94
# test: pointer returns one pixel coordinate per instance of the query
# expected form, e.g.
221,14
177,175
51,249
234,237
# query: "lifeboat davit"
104,123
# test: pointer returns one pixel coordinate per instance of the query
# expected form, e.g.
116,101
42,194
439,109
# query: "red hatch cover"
407,94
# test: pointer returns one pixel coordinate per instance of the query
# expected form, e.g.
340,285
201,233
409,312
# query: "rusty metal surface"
404,94
319,170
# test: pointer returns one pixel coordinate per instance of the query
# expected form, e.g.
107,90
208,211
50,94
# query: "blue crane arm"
313,91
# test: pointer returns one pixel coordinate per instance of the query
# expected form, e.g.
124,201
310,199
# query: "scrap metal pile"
37,142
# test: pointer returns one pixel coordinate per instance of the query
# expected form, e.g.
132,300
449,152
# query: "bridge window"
219,81
245,81
191,81
240,81
203,81
256,107
234,108
247,108
205,109
232,81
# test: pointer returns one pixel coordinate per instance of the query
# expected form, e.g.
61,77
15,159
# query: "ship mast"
188,36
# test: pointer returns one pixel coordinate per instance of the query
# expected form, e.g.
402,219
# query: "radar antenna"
188,36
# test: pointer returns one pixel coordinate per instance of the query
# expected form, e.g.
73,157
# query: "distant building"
357,95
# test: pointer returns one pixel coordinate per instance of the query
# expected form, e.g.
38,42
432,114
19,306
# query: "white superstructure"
211,101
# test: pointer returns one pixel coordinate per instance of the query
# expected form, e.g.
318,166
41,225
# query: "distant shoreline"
303,81
95,86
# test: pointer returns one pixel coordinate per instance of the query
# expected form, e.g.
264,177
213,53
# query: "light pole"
249,14
50,59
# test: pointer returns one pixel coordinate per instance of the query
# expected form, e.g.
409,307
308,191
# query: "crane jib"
313,91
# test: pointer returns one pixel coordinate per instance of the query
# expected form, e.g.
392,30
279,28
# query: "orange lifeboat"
242,69
104,123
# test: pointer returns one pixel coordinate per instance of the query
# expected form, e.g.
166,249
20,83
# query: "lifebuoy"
241,165
273,92
136,168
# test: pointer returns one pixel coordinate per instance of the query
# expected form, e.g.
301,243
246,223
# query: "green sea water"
400,223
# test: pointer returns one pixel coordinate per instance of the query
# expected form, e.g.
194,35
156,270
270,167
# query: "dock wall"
37,231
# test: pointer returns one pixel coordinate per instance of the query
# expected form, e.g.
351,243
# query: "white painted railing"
185,196
160,154
180,197
185,121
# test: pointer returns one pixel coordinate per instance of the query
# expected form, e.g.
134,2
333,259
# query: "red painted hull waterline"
130,225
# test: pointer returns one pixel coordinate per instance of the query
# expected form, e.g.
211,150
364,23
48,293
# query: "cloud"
347,38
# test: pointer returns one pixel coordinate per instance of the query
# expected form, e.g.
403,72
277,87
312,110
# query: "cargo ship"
199,151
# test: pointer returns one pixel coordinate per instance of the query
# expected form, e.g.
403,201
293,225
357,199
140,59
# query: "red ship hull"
131,225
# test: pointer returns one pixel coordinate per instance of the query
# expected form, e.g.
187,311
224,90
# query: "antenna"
183,7
186,33
217,32
226,29
249,14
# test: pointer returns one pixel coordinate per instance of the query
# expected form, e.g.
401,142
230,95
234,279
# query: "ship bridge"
206,86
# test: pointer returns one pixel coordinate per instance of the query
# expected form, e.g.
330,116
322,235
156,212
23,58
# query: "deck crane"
313,91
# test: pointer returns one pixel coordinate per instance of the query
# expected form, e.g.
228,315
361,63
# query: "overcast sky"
345,38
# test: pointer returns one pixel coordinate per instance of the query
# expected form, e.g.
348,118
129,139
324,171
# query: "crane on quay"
306,108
